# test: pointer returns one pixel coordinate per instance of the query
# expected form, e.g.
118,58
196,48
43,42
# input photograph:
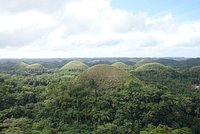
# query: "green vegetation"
35,66
195,69
154,72
74,66
25,69
25,66
150,99
162,76
142,62
152,67
194,74
120,65
22,65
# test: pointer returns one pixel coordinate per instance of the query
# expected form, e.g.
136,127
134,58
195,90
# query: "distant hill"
195,69
104,76
22,65
185,63
162,75
157,67
120,65
169,62
74,66
24,68
35,66
7,66
96,62
189,62
142,62
155,72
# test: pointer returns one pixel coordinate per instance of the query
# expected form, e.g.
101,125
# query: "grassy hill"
195,69
120,65
162,75
22,66
157,67
74,66
142,62
35,66
154,71
104,76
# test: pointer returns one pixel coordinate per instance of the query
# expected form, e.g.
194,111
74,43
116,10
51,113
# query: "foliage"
155,99
142,62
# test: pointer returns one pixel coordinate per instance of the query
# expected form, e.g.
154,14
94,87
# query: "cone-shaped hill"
155,72
74,66
35,66
195,69
25,66
120,65
104,77
157,67
22,65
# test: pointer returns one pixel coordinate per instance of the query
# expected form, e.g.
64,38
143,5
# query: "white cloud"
30,20
91,28
15,6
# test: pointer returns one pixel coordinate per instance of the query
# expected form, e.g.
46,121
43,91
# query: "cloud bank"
91,28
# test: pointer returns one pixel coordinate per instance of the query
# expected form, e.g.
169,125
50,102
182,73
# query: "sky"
99,28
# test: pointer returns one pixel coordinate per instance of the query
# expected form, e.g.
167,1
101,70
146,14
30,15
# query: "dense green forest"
100,96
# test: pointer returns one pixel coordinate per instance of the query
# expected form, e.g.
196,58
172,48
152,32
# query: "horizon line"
100,57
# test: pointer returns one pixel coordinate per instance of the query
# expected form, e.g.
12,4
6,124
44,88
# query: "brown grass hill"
74,66
103,77
120,65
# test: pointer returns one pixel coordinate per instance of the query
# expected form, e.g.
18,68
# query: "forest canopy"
123,97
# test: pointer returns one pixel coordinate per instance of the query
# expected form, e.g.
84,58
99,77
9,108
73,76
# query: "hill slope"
195,69
120,65
142,62
74,65
22,66
155,72
104,76
157,67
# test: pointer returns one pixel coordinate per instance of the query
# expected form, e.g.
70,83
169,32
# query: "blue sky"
184,9
99,28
